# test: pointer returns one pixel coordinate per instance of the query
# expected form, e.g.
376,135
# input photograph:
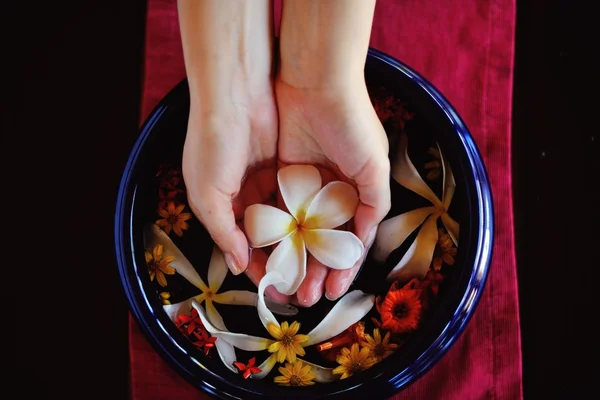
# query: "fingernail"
233,263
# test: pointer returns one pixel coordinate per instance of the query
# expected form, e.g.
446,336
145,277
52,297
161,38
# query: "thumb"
215,211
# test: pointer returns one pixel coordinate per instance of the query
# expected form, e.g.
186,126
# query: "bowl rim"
143,313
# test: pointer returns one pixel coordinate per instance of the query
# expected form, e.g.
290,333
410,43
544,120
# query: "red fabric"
465,48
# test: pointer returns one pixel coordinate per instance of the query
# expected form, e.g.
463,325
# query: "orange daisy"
173,219
400,310
158,266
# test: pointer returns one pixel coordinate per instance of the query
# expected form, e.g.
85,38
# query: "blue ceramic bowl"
435,120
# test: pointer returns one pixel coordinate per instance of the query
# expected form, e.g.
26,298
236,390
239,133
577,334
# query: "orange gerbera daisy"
158,266
400,310
444,250
173,219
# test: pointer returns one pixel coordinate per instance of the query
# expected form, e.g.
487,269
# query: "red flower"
205,341
248,369
400,311
190,323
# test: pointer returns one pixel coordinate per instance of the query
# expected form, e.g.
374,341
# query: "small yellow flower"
173,219
288,344
159,266
379,348
445,251
296,374
353,361
165,296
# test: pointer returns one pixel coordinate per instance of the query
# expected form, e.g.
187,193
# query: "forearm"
324,43
227,46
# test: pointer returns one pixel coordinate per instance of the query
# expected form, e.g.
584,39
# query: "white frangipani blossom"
314,213
394,231
217,271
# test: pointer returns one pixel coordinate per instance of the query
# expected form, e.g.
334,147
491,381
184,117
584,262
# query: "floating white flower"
394,231
314,213
217,271
347,311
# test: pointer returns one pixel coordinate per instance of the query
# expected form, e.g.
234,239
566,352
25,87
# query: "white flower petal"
226,353
298,184
348,310
217,269
177,309
214,316
334,249
153,235
405,173
333,206
394,231
236,297
265,315
289,259
418,257
452,227
324,375
266,366
239,340
266,225
449,184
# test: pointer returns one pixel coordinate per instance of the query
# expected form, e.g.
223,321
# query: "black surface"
70,115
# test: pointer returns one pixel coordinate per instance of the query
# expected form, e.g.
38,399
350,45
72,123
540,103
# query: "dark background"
69,63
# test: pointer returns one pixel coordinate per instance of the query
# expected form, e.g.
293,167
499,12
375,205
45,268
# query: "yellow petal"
157,252
274,347
301,338
281,354
293,329
275,331
160,278
290,354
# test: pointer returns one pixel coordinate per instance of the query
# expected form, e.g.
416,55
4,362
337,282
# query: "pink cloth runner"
466,49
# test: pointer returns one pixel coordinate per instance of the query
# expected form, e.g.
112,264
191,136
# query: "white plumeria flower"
394,231
314,212
348,310
217,271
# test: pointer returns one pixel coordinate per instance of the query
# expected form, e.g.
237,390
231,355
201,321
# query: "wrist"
227,47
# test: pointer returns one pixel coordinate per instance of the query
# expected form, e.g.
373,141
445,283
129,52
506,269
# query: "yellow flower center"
295,380
379,350
287,340
356,366
209,294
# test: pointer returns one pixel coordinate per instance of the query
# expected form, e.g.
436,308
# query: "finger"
338,281
255,272
215,212
375,199
311,289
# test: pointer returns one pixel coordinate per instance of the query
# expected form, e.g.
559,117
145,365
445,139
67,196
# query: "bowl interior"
159,151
